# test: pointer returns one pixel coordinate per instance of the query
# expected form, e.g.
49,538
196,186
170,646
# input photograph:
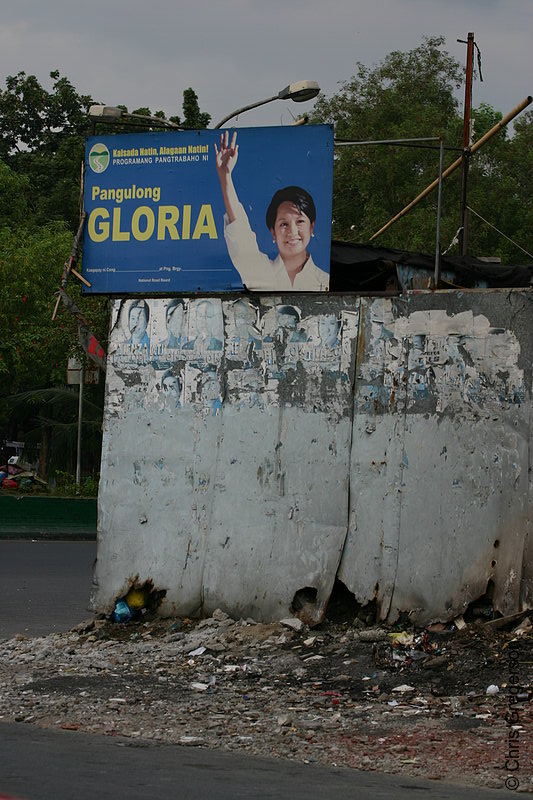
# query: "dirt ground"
438,703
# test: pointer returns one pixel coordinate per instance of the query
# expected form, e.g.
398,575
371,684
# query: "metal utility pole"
463,233
436,279
80,422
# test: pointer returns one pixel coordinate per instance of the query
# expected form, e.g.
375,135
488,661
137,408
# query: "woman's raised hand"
226,157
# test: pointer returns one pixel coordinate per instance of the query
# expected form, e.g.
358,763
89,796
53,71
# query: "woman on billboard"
290,218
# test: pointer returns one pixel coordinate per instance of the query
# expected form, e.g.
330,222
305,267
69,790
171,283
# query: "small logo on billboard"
99,157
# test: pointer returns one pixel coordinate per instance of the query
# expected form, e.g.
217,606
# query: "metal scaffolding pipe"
448,171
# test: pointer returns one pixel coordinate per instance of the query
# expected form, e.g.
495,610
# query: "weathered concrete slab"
439,476
226,457
258,449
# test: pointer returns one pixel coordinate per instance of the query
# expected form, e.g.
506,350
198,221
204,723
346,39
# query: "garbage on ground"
492,689
402,638
199,687
135,602
292,622
437,627
136,599
122,612
523,628
506,622
198,652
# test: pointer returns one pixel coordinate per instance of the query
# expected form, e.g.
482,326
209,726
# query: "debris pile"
437,703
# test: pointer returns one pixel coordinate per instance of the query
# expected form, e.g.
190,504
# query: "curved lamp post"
113,113
299,92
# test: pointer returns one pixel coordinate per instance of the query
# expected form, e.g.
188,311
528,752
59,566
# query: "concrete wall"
278,443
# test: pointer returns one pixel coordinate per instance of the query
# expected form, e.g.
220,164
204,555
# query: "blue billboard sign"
209,211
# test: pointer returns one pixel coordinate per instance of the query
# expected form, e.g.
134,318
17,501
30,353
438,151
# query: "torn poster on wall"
169,353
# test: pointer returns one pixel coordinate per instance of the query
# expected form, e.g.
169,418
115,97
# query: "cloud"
239,51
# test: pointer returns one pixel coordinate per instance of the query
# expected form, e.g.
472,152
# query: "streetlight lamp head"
300,91
106,112
113,113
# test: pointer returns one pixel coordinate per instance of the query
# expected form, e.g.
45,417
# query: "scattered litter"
402,638
122,612
292,622
136,599
460,622
437,627
404,687
191,741
284,720
506,622
523,628
199,687
198,652
492,689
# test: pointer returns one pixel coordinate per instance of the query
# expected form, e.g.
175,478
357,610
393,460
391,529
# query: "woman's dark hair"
288,311
292,194
172,307
140,304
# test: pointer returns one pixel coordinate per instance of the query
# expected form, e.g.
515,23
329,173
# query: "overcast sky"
233,52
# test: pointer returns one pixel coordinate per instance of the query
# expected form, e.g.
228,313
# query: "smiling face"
292,231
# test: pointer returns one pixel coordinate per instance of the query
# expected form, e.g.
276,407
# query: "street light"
299,92
113,113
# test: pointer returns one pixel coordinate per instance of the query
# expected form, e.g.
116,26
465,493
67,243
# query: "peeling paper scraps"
438,362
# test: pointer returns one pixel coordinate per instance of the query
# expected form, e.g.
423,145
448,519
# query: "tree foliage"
42,136
34,349
193,118
413,95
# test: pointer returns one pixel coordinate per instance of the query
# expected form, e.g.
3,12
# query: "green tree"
34,349
192,116
410,95
42,136
500,190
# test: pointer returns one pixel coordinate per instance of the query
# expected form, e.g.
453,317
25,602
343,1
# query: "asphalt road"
41,765
45,586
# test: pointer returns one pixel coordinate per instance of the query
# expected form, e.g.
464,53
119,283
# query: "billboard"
209,211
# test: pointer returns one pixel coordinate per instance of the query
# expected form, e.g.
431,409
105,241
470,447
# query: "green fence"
22,516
